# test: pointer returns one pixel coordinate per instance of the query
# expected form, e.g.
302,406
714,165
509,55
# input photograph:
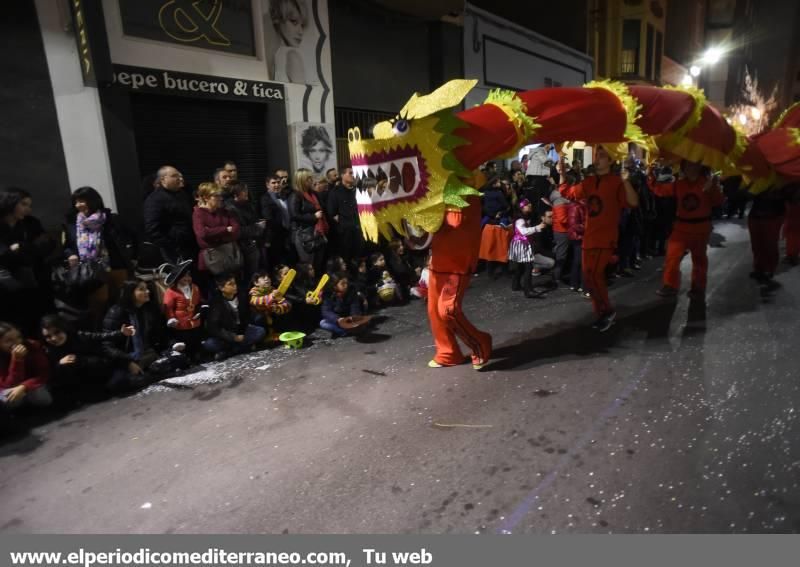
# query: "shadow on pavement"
556,341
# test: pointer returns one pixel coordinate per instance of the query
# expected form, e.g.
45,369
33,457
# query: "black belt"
694,221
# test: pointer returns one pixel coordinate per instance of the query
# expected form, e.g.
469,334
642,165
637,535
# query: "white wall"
80,120
523,64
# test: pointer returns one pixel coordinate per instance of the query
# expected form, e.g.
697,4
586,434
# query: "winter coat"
560,211
576,220
150,326
225,323
177,306
118,241
342,202
250,234
536,164
33,371
337,306
90,360
301,212
494,201
168,222
211,230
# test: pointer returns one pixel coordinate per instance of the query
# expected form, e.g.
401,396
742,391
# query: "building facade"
626,39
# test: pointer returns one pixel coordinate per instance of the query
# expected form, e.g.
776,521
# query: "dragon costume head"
422,159
411,159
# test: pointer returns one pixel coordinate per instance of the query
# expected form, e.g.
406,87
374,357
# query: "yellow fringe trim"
632,130
794,134
738,149
697,111
762,183
784,114
516,110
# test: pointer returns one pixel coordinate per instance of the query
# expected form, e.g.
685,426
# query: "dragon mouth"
404,172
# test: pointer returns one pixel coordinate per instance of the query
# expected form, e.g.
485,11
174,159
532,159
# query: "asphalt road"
680,419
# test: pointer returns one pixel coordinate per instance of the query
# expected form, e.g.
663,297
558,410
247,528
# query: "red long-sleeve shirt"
694,205
32,371
605,199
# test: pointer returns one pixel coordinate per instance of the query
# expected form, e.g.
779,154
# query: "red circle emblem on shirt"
690,202
595,205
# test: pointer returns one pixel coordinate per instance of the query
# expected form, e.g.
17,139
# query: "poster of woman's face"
292,36
314,147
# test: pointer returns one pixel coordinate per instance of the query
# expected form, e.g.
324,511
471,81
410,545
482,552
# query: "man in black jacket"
275,210
251,228
168,218
343,211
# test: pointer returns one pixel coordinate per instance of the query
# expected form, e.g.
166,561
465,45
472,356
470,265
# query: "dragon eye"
401,127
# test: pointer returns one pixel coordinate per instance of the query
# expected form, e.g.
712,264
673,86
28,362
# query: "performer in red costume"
791,226
695,195
454,257
428,151
606,195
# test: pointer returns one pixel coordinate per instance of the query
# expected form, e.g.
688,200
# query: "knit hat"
523,203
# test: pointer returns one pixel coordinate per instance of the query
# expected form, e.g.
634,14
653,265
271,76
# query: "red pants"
764,235
696,244
594,262
445,293
791,230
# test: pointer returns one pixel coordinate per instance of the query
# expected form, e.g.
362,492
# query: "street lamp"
694,70
742,118
755,112
712,56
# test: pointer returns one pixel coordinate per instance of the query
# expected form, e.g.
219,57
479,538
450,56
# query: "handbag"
86,276
310,240
223,259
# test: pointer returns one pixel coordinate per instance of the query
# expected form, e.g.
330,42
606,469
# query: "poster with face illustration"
314,146
292,33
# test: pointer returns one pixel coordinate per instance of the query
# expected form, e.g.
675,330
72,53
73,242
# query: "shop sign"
139,79
208,24
90,36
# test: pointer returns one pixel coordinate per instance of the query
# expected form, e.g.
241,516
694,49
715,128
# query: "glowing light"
712,56
687,81
694,70
742,118
755,113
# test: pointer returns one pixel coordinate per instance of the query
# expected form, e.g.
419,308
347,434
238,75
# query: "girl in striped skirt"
520,253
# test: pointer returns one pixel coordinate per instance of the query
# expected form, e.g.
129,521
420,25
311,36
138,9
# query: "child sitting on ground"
24,370
182,307
267,304
79,370
229,330
381,288
341,303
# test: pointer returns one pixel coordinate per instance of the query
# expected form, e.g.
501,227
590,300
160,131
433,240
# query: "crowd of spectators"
221,270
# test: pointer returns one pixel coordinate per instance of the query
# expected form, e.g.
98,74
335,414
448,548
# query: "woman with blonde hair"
308,223
216,230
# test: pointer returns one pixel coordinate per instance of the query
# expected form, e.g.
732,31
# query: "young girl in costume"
182,304
520,252
267,303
